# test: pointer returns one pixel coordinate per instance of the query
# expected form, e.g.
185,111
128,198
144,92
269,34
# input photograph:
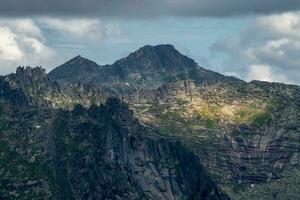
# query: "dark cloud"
145,8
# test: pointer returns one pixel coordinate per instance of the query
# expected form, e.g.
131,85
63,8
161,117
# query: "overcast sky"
258,39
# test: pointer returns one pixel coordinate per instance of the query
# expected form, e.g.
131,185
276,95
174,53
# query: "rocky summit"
153,125
147,68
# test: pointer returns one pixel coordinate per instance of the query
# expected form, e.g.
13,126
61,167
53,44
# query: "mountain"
243,138
244,134
96,153
78,69
147,68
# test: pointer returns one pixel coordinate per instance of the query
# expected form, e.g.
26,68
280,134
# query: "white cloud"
264,73
9,49
34,42
25,26
286,24
270,46
82,28
22,43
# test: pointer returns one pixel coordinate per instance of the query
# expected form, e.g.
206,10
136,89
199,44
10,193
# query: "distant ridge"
76,67
147,68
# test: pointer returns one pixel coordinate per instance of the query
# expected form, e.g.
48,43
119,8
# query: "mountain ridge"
101,152
246,135
147,67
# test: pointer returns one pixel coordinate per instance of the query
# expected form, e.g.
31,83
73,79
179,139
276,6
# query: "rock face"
252,126
244,135
102,153
96,153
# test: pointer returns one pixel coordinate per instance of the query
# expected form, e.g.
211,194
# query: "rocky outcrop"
102,153
96,153
27,74
252,151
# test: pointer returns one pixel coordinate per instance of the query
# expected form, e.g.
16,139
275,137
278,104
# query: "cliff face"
104,153
246,135
96,153
253,128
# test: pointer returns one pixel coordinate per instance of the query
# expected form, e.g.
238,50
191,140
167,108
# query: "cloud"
23,26
50,41
22,43
91,29
9,49
267,49
145,8
83,30
264,73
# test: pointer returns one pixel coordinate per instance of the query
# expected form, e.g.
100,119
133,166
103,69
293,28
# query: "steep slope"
246,135
111,157
97,153
32,87
75,70
147,68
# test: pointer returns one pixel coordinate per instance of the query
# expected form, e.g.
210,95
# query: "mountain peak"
79,60
74,67
165,47
76,62
159,57
77,57
157,47
148,67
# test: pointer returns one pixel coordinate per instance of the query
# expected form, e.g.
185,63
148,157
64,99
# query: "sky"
252,40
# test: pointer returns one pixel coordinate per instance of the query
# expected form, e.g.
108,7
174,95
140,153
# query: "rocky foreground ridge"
245,135
96,153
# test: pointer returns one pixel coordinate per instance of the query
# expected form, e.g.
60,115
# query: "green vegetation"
246,114
207,115
284,188
208,122
181,102
157,108
172,116
262,119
